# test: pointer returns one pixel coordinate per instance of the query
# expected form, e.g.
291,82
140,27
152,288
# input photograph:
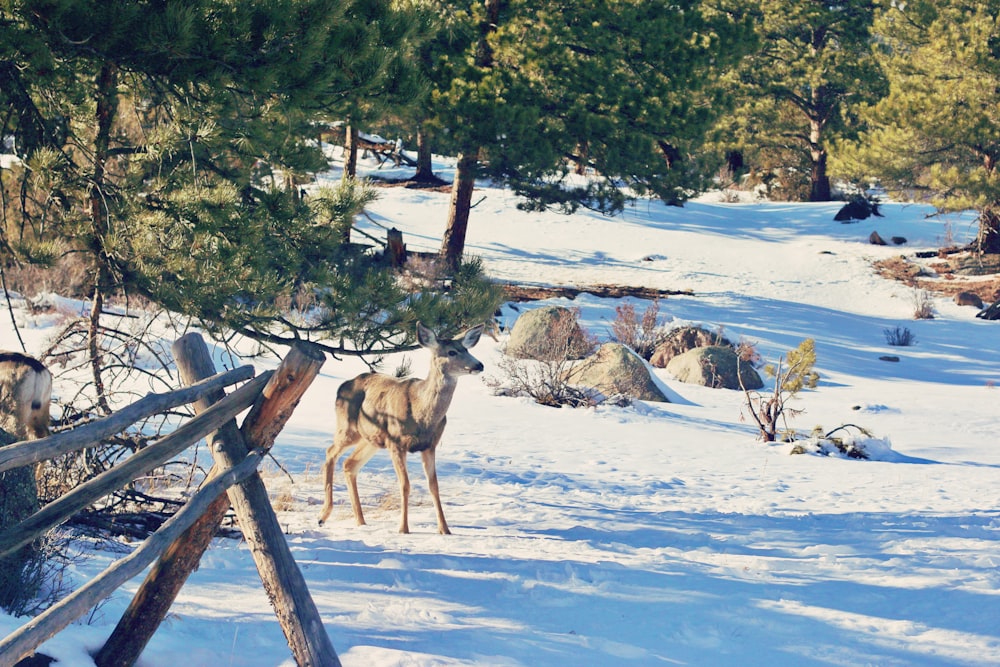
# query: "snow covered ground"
662,533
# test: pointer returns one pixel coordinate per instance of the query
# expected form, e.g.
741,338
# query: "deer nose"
476,367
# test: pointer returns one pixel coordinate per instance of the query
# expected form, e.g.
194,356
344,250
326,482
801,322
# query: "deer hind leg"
352,464
333,452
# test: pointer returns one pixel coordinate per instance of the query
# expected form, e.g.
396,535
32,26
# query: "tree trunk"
18,501
425,173
453,244
107,107
819,189
988,238
350,152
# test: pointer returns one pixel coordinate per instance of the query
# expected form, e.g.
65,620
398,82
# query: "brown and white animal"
376,411
25,394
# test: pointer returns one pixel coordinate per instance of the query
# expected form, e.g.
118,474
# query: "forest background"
155,150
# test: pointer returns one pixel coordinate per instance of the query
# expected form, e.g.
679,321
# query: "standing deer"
25,392
376,411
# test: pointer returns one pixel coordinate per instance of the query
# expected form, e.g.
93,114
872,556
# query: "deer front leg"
430,469
398,455
352,464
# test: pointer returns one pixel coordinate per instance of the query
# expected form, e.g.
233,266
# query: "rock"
875,239
857,208
714,366
683,339
991,313
549,333
890,357
898,240
616,370
969,299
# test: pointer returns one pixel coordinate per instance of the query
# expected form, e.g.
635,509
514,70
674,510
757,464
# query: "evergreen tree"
799,91
621,89
155,158
937,133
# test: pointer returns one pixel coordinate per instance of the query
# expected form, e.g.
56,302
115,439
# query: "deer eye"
452,353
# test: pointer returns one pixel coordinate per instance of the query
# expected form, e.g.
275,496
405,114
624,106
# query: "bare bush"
899,336
642,334
923,305
546,381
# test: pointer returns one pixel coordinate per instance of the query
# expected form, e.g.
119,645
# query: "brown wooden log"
283,581
90,435
166,578
29,636
281,395
138,464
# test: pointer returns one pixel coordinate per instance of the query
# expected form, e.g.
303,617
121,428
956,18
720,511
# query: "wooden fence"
180,542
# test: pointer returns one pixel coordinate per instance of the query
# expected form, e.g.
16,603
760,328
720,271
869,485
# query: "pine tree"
799,91
622,90
937,133
174,119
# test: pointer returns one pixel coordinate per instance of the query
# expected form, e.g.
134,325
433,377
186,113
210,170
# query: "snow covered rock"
714,366
683,339
549,333
615,370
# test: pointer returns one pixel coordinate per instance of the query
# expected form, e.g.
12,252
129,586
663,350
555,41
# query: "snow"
661,533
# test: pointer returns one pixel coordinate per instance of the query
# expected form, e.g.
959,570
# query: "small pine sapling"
790,375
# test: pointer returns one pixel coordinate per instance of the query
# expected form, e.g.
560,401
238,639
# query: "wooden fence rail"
90,435
180,542
46,625
138,464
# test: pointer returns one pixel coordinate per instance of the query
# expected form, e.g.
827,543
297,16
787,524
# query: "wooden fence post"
282,579
166,578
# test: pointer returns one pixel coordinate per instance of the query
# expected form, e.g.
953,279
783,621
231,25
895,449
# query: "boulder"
969,299
683,339
858,208
714,366
616,370
875,239
549,333
990,313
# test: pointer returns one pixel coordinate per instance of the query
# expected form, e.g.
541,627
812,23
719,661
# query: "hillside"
660,533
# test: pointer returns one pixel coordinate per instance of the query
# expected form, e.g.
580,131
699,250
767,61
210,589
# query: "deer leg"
430,469
399,463
352,464
333,453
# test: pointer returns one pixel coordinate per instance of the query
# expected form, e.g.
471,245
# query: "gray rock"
616,370
683,339
714,366
550,333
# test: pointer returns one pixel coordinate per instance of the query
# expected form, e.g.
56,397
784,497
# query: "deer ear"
471,336
425,336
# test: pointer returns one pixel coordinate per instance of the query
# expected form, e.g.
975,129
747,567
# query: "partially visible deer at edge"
376,411
25,394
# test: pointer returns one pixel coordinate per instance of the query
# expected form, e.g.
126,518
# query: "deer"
404,416
25,395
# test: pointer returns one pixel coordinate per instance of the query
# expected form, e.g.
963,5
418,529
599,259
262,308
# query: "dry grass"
947,281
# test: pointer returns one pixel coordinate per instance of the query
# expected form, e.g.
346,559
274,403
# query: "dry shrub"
923,305
642,334
546,379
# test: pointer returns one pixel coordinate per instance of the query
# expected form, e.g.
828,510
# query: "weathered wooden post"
295,609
